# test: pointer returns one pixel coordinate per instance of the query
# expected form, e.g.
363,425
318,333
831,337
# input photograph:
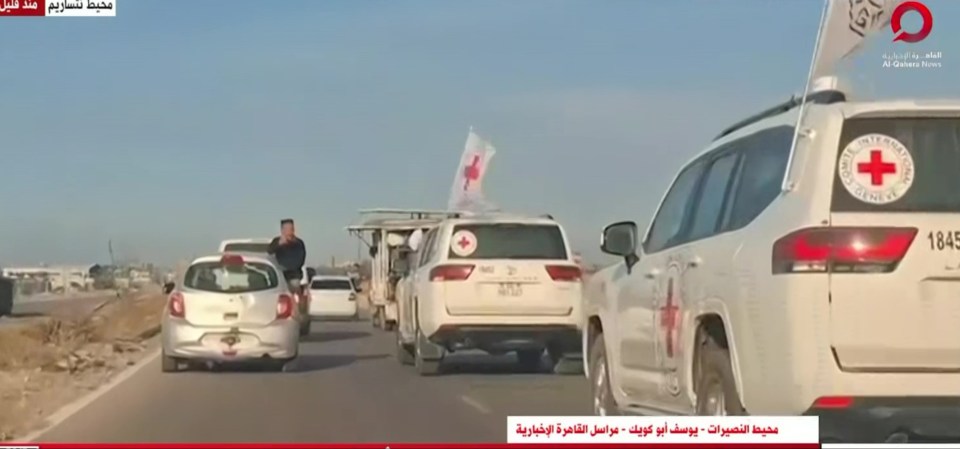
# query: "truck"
385,232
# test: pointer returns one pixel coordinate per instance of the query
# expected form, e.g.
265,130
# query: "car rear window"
233,278
925,177
331,284
507,241
246,247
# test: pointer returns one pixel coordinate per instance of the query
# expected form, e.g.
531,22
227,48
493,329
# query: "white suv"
496,283
838,296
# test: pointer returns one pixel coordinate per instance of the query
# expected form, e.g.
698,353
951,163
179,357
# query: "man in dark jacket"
290,252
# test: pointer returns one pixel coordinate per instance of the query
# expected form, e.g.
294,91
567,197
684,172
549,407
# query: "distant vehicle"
7,292
262,246
498,283
230,308
245,246
332,297
837,297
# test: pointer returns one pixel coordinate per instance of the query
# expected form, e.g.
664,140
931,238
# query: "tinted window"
246,247
934,146
666,227
233,278
512,241
331,284
761,181
707,217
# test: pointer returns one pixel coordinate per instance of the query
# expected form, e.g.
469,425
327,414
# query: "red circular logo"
897,17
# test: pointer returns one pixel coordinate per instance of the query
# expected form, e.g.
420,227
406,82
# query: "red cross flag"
467,190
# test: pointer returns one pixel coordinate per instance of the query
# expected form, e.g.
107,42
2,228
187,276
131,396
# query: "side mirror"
168,287
620,239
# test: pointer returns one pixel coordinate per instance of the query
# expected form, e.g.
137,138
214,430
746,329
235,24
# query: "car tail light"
564,273
231,259
285,306
842,250
833,402
442,273
175,306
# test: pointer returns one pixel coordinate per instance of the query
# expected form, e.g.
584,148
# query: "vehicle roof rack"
822,97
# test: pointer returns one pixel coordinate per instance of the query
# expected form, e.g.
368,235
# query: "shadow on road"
503,365
303,364
320,337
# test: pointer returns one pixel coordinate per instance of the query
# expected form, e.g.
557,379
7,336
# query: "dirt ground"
46,363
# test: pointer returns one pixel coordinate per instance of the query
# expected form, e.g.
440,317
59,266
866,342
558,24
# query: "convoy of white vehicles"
824,287
817,278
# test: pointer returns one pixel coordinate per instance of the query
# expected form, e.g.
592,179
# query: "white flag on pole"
848,24
467,190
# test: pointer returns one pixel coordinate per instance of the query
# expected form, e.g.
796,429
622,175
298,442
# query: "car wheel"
405,353
530,360
169,364
286,366
305,328
716,390
603,403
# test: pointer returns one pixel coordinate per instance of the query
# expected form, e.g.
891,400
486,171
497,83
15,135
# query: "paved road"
349,389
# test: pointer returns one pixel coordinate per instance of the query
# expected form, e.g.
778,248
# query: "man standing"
290,252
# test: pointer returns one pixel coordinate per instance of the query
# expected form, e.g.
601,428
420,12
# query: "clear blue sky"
177,124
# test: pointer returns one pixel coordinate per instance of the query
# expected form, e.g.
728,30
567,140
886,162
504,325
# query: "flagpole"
787,183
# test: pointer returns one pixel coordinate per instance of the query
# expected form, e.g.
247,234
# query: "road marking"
475,404
69,410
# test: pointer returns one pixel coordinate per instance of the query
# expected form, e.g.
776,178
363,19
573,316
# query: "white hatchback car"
333,297
837,297
497,283
230,308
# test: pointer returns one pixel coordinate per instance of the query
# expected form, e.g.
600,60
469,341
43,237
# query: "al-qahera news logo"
58,8
912,59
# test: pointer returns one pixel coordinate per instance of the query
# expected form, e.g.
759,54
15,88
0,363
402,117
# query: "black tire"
405,353
305,328
169,364
285,366
715,378
601,394
530,360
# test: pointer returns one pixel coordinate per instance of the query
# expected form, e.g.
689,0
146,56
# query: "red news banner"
52,8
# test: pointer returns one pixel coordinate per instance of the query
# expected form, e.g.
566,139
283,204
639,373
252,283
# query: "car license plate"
509,289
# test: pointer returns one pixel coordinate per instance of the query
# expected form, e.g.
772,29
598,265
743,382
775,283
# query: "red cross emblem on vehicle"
464,242
876,168
670,321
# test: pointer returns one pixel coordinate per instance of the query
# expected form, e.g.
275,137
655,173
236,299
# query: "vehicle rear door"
509,269
230,292
894,250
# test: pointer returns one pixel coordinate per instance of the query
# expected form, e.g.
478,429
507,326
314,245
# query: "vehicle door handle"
694,262
652,274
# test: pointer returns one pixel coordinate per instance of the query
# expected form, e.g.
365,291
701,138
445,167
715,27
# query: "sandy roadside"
48,362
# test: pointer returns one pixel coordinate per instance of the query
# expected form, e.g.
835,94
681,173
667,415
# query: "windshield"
248,247
331,284
923,177
507,241
239,278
